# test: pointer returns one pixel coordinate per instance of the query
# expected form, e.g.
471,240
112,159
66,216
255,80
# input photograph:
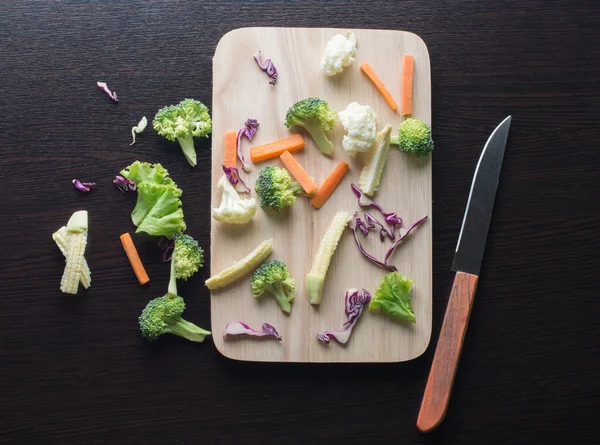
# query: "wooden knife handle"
447,352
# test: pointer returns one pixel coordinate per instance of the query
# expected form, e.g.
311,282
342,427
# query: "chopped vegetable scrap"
315,279
112,94
233,209
274,278
262,153
124,184
237,328
275,188
360,123
326,189
358,225
392,296
186,259
230,149
407,84
249,130
365,202
233,175
74,242
339,53
242,267
61,238
141,126
315,116
354,303
298,172
414,137
370,73
167,246
134,258
83,186
372,171
163,316
268,67
158,209
181,123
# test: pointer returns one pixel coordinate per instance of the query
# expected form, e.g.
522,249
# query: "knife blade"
467,263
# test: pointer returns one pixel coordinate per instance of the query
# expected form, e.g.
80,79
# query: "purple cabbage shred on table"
268,67
249,130
233,175
83,186
112,94
124,184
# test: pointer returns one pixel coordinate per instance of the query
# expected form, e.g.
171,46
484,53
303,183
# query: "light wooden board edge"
224,90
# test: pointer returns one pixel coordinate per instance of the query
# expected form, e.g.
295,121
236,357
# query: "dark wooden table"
75,369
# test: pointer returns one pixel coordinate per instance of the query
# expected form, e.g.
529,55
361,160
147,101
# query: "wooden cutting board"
240,91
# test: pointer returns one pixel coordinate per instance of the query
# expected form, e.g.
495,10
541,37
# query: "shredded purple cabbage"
358,225
167,246
236,328
233,175
354,304
383,232
124,184
268,67
83,186
112,94
249,130
365,202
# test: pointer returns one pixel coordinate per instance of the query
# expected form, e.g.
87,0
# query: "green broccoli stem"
280,296
187,330
395,140
172,279
187,146
296,188
320,138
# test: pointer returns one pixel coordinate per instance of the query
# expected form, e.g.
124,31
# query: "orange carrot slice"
331,182
264,152
407,84
366,68
230,153
298,172
134,258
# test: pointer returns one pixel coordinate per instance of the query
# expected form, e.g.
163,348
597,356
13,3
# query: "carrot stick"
366,68
298,172
329,185
134,258
261,153
230,153
407,84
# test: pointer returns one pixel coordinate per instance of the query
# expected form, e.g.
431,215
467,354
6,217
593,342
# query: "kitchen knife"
467,261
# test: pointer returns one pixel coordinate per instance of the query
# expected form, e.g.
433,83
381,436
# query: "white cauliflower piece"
233,209
360,122
339,53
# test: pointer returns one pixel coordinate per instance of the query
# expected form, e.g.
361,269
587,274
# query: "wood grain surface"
447,352
297,231
76,371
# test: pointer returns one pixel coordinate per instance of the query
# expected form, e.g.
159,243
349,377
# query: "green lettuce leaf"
392,297
139,172
158,210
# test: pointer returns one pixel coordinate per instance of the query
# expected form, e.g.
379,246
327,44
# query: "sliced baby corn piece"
315,279
60,237
77,228
242,267
375,163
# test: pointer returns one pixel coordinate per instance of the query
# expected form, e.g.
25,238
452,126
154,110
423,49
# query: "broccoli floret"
275,188
233,209
163,316
274,277
186,260
182,122
414,137
314,115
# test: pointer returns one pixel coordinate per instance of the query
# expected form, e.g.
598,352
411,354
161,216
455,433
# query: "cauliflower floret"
233,209
339,53
360,121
